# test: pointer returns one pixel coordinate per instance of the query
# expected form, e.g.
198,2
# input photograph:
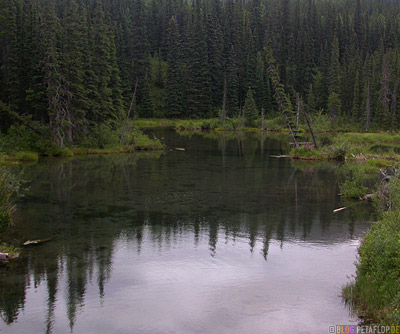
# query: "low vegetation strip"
375,293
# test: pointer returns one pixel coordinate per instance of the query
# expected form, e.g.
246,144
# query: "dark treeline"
74,64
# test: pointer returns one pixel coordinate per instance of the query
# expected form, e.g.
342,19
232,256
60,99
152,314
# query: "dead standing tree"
302,111
282,99
132,105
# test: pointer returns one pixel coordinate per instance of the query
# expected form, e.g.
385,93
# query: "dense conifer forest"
74,65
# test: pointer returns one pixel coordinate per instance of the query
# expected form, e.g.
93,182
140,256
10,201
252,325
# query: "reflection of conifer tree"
52,288
266,240
213,237
104,263
12,297
253,233
196,231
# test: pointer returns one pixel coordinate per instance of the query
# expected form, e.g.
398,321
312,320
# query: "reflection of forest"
226,191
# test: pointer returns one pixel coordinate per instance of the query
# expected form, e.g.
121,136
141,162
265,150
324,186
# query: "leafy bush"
210,124
232,124
143,142
276,124
101,136
9,184
321,122
352,188
22,138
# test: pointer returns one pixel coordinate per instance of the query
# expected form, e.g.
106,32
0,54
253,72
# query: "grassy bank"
375,293
23,144
380,146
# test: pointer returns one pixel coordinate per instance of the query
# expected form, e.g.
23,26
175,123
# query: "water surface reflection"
220,238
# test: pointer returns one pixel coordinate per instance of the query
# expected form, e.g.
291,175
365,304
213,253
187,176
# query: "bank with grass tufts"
383,148
21,143
375,293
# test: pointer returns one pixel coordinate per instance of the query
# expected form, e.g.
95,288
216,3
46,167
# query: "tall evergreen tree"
175,87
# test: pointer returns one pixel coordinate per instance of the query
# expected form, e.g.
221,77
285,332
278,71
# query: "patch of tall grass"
375,293
9,185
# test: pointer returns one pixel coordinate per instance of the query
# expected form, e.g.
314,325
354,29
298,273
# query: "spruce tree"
250,110
232,99
175,87
198,84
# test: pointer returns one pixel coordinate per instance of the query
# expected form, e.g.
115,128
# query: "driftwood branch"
36,242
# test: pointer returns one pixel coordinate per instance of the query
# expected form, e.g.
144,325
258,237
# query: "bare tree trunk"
132,105
302,109
133,102
262,118
223,111
367,109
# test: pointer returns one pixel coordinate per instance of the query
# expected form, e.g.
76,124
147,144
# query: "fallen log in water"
340,209
280,156
36,242
179,149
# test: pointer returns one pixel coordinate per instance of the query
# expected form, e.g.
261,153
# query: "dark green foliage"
250,110
175,85
9,184
73,65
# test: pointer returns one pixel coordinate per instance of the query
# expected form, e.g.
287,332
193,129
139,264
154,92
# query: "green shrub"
101,136
276,124
9,184
321,122
210,124
26,156
143,142
352,188
22,138
232,124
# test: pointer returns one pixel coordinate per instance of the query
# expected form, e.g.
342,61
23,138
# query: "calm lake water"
219,238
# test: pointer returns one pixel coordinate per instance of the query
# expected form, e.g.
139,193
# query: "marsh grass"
375,293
